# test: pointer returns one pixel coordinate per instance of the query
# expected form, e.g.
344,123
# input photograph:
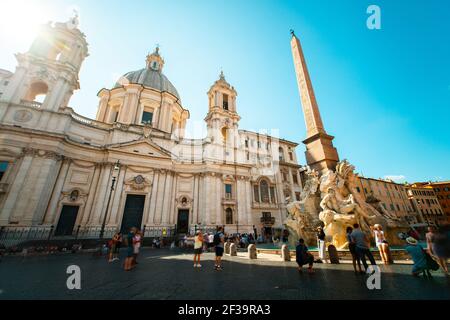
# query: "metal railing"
13,236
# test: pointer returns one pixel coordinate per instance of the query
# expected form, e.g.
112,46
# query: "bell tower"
222,119
47,75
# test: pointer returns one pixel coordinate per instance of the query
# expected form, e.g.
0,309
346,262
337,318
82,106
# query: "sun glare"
20,20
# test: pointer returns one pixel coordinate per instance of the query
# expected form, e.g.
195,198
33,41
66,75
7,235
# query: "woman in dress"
382,244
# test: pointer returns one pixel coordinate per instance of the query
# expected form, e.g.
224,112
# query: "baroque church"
63,174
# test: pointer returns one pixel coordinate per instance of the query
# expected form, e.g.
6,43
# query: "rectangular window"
225,102
147,117
116,115
291,156
228,189
272,194
294,178
3,168
246,143
358,189
256,193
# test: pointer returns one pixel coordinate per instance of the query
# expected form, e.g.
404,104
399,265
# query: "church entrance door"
132,215
67,221
183,221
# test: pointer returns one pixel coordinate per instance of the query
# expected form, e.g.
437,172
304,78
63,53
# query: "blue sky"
384,94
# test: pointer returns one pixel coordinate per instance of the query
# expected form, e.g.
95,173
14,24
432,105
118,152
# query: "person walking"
352,249
437,243
137,239
303,257
115,247
198,249
321,245
219,240
418,255
130,250
362,246
382,244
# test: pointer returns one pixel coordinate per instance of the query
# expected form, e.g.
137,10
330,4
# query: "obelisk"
320,152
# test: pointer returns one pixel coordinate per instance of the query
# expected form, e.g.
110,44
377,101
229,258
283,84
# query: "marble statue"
334,202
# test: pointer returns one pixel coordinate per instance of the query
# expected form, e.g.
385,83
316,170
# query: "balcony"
32,104
267,220
229,199
264,205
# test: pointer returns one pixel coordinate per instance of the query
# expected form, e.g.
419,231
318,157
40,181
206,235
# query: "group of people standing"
215,241
132,241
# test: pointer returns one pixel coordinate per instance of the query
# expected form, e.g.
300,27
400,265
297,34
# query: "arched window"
264,187
229,216
281,153
37,92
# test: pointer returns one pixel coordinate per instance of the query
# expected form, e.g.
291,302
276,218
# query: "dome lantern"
155,61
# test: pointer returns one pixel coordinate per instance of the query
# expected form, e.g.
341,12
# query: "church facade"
62,173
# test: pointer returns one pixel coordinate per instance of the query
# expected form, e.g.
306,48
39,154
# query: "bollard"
252,254
233,250
285,254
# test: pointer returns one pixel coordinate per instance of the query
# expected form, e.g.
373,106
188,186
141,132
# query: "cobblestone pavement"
165,274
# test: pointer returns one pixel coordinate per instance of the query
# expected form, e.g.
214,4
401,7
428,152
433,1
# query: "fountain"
334,203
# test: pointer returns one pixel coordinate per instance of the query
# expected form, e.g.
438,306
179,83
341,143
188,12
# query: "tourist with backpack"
219,240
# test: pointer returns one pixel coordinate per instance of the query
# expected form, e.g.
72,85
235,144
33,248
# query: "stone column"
148,202
155,189
207,199
173,213
115,198
160,196
45,187
103,105
248,188
87,212
35,190
101,194
218,207
51,210
8,214
167,198
195,200
291,181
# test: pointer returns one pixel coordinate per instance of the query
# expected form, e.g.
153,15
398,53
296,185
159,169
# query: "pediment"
142,147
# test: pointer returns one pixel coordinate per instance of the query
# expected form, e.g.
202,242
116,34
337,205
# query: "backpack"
216,240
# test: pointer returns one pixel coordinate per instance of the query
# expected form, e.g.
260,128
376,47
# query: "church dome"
150,77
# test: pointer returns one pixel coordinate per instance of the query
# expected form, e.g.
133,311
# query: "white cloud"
396,178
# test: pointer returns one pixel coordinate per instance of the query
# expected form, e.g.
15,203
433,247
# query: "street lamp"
116,169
